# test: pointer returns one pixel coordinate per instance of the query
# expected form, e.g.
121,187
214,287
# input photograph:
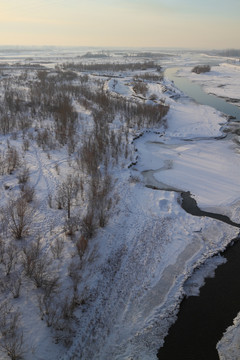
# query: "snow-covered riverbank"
222,81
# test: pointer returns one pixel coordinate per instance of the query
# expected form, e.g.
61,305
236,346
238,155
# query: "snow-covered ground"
134,272
222,81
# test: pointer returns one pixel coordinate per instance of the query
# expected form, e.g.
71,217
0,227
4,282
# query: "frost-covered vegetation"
63,140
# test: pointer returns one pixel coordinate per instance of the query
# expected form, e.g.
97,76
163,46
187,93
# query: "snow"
135,270
228,347
207,270
120,87
189,120
222,81
208,169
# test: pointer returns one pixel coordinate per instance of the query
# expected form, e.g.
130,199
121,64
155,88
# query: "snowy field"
122,292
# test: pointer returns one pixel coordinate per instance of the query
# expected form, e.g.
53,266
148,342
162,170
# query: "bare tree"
13,345
48,309
12,159
15,284
9,258
40,273
74,271
30,255
81,246
71,225
23,176
140,87
57,248
89,224
67,192
20,217
2,249
11,340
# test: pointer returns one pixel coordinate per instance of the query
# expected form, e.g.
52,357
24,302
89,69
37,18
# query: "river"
195,92
203,319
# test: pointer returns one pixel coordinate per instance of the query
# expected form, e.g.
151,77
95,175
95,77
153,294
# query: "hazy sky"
167,23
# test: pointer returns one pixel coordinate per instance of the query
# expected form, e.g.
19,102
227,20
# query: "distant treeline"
90,55
109,67
149,55
229,52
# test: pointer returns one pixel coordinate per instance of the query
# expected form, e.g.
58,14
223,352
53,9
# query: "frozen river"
203,319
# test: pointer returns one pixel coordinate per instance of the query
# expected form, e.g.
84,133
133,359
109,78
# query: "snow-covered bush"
201,69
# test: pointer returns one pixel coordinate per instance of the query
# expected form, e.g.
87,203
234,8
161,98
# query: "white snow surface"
208,168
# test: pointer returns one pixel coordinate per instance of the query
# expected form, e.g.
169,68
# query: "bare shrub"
45,139
67,307
26,144
40,274
140,87
13,346
9,258
81,246
134,179
11,340
71,225
201,69
64,326
50,285
64,332
88,224
74,271
20,217
29,256
2,249
153,97
4,221
66,193
5,310
99,190
7,123
23,176
28,193
49,199
15,284
65,119
57,248
24,122
2,163
12,159
48,309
